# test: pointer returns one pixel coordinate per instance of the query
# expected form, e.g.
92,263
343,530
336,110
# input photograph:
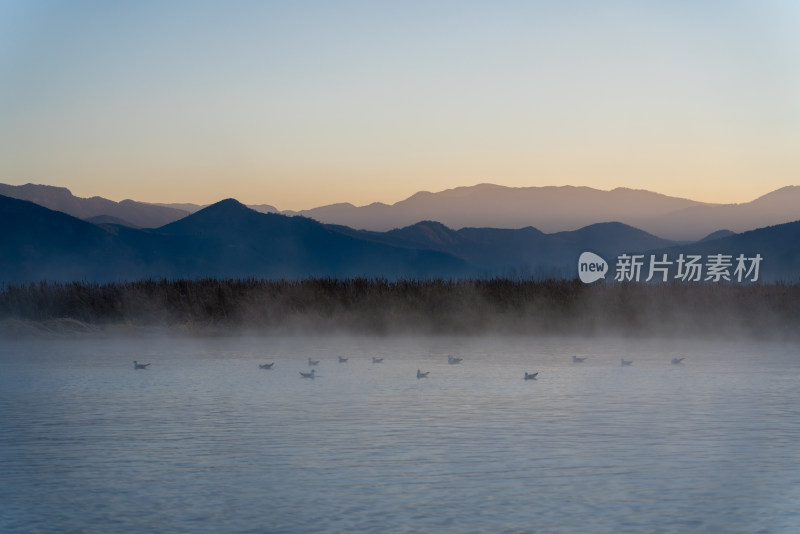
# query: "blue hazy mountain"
224,240
227,239
522,252
230,239
39,243
719,234
778,245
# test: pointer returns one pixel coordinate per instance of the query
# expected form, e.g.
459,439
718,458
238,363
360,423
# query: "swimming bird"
137,365
307,375
377,360
420,374
312,362
623,362
575,359
266,365
677,361
531,376
452,361
342,360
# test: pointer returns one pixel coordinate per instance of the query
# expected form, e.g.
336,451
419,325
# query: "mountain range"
98,209
555,209
127,212
225,240
549,209
228,239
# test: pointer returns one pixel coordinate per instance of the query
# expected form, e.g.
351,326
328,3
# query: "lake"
205,441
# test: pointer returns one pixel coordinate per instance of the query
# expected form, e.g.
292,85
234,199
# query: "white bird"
377,360
342,360
531,376
137,365
623,362
307,375
575,359
266,365
452,361
420,374
677,361
312,362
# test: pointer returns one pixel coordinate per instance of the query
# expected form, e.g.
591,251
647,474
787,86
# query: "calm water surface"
205,441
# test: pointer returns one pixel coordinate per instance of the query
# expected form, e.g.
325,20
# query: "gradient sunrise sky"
299,104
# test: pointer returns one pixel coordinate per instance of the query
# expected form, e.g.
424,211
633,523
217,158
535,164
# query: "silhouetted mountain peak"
790,192
230,217
431,232
611,226
227,204
432,225
614,227
52,189
223,216
416,196
229,207
719,234
339,206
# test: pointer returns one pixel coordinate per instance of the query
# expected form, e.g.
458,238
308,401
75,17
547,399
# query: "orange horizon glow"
303,106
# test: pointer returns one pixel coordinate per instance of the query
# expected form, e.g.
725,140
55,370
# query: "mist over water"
205,441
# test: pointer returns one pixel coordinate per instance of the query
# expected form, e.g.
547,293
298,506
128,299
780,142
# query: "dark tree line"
418,306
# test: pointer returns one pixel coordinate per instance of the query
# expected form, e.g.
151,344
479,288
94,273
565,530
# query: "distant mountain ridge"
550,209
554,209
139,214
777,207
101,210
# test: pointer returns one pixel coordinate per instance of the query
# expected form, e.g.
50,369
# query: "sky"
300,104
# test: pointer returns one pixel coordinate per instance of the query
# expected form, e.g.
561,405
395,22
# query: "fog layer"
422,307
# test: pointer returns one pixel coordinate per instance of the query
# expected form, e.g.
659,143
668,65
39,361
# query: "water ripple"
204,441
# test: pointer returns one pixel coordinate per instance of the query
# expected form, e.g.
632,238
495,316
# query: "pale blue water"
204,441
